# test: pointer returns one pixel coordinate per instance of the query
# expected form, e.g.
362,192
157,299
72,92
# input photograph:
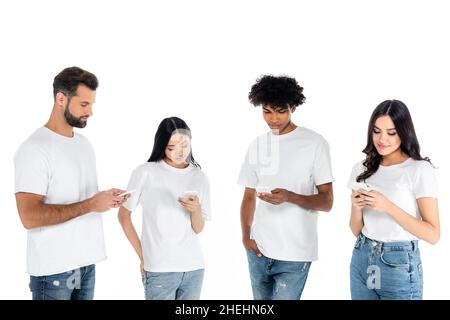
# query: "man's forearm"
321,201
49,214
247,214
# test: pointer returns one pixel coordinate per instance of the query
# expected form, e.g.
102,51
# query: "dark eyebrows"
276,109
375,127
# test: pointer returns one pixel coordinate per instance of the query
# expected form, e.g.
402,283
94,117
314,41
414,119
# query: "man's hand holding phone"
276,196
126,194
105,200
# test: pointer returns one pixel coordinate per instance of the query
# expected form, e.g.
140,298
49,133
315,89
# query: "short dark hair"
281,92
68,80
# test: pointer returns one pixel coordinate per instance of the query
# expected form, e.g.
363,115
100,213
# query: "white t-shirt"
63,170
297,161
169,244
402,184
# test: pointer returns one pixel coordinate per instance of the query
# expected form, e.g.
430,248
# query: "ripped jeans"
386,270
275,279
173,285
77,284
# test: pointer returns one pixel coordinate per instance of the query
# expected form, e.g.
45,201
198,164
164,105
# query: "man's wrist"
87,205
290,196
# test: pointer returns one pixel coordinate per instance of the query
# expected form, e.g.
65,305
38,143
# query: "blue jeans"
76,284
386,270
275,279
173,285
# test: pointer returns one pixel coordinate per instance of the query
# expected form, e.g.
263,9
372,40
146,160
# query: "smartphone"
126,192
261,189
189,194
360,185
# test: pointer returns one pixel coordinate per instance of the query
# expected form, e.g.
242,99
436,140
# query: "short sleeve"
248,175
356,171
425,183
322,172
205,198
135,183
32,170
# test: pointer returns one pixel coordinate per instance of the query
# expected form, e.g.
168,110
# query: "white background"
197,60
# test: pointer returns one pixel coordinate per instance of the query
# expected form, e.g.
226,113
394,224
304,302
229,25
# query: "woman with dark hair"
394,203
174,194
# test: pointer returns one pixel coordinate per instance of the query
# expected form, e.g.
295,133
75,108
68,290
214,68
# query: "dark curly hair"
281,92
404,126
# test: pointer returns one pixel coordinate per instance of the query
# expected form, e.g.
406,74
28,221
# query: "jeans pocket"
396,258
304,267
250,252
35,283
144,278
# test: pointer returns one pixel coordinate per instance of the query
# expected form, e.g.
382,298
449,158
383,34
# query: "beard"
72,120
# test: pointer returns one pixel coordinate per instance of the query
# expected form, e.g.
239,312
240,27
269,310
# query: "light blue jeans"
75,284
173,285
275,279
386,270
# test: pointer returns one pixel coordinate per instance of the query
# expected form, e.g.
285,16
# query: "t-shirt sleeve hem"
426,195
30,190
128,207
324,181
246,184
